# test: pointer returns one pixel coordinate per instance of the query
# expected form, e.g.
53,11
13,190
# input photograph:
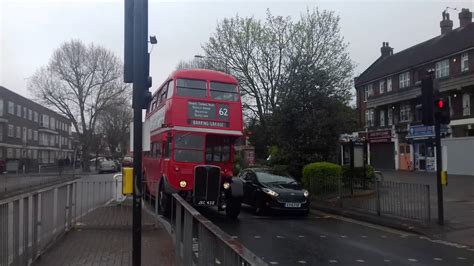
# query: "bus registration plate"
292,205
206,203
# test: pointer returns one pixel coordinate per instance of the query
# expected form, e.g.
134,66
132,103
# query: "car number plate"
292,205
206,203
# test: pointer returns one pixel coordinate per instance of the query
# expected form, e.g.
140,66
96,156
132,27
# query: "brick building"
389,103
31,134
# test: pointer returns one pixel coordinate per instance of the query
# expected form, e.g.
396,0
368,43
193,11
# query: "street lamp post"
212,57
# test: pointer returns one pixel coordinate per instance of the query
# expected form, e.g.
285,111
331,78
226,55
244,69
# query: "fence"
383,198
199,242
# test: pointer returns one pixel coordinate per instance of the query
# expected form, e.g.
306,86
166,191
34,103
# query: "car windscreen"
191,88
269,177
224,91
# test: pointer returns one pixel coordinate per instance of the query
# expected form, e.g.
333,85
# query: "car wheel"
232,209
164,203
259,207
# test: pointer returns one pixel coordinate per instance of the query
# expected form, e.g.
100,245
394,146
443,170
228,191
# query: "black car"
266,189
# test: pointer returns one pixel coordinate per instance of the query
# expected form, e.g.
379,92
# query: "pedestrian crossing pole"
136,71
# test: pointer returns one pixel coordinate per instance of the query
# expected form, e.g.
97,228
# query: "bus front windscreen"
189,148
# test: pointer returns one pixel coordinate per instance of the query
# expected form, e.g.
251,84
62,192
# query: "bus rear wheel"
164,203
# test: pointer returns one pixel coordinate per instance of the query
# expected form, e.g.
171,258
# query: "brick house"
389,103
31,134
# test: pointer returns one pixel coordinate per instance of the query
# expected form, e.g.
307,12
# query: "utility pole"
439,185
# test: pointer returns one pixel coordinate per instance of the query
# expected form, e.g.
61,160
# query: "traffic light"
427,101
441,111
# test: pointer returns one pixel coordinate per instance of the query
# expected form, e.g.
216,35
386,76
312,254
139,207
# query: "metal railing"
30,222
199,242
406,201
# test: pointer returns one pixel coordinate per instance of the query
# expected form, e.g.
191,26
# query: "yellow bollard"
444,178
127,181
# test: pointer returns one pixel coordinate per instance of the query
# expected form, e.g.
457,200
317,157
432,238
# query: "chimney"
446,24
386,50
465,17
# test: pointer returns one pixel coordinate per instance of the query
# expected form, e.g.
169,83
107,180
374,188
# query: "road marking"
322,236
360,261
364,236
301,236
384,236
413,260
386,260
343,236
257,237
273,262
280,237
461,258
302,262
333,261
234,237
437,259
218,261
443,242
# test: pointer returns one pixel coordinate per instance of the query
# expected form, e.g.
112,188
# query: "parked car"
127,161
104,165
265,189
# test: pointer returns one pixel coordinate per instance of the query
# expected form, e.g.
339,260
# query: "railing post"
429,204
377,193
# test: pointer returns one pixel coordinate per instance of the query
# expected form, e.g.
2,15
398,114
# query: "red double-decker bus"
193,121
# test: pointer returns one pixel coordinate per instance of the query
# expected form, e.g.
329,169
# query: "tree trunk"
86,167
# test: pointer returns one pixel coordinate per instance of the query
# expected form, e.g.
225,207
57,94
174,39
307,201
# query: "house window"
1,107
52,123
418,112
30,114
9,153
405,113
18,110
25,113
30,134
18,132
44,121
442,69
11,108
389,84
466,104
404,79
390,117
17,153
35,135
366,93
382,118
36,117
382,86
370,90
1,133
369,118
11,130
464,62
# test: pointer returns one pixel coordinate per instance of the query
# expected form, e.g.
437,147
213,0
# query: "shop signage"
380,136
422,131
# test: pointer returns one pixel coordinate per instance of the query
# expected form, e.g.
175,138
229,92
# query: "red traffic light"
440,103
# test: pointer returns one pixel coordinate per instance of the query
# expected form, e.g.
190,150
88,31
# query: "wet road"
322,239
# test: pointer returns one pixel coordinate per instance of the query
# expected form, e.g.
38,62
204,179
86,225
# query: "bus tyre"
164,204
232,209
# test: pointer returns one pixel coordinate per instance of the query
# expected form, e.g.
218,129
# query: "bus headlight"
182,183
226,185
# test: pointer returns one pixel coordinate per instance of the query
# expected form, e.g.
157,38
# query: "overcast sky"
30,30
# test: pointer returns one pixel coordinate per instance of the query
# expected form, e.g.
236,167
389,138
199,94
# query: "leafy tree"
80,82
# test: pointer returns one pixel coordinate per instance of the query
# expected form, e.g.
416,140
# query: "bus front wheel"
164,204
232,209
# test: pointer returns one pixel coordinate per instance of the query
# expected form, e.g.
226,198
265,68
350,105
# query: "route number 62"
223,111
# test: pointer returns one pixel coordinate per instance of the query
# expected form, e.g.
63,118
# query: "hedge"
323,176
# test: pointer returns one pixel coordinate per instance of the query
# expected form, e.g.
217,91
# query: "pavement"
458,204
103,231
323,239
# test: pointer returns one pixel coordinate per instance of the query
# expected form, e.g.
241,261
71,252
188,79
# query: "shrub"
321,177
357,174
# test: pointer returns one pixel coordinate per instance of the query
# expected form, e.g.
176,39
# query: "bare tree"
80,82
114,124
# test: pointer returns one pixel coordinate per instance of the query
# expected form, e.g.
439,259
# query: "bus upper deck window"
191,88
224,91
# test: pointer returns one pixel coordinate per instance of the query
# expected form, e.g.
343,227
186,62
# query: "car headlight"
226,185
182,183
305,193
270,192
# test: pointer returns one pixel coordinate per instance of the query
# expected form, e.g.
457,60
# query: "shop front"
382,149
424,151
